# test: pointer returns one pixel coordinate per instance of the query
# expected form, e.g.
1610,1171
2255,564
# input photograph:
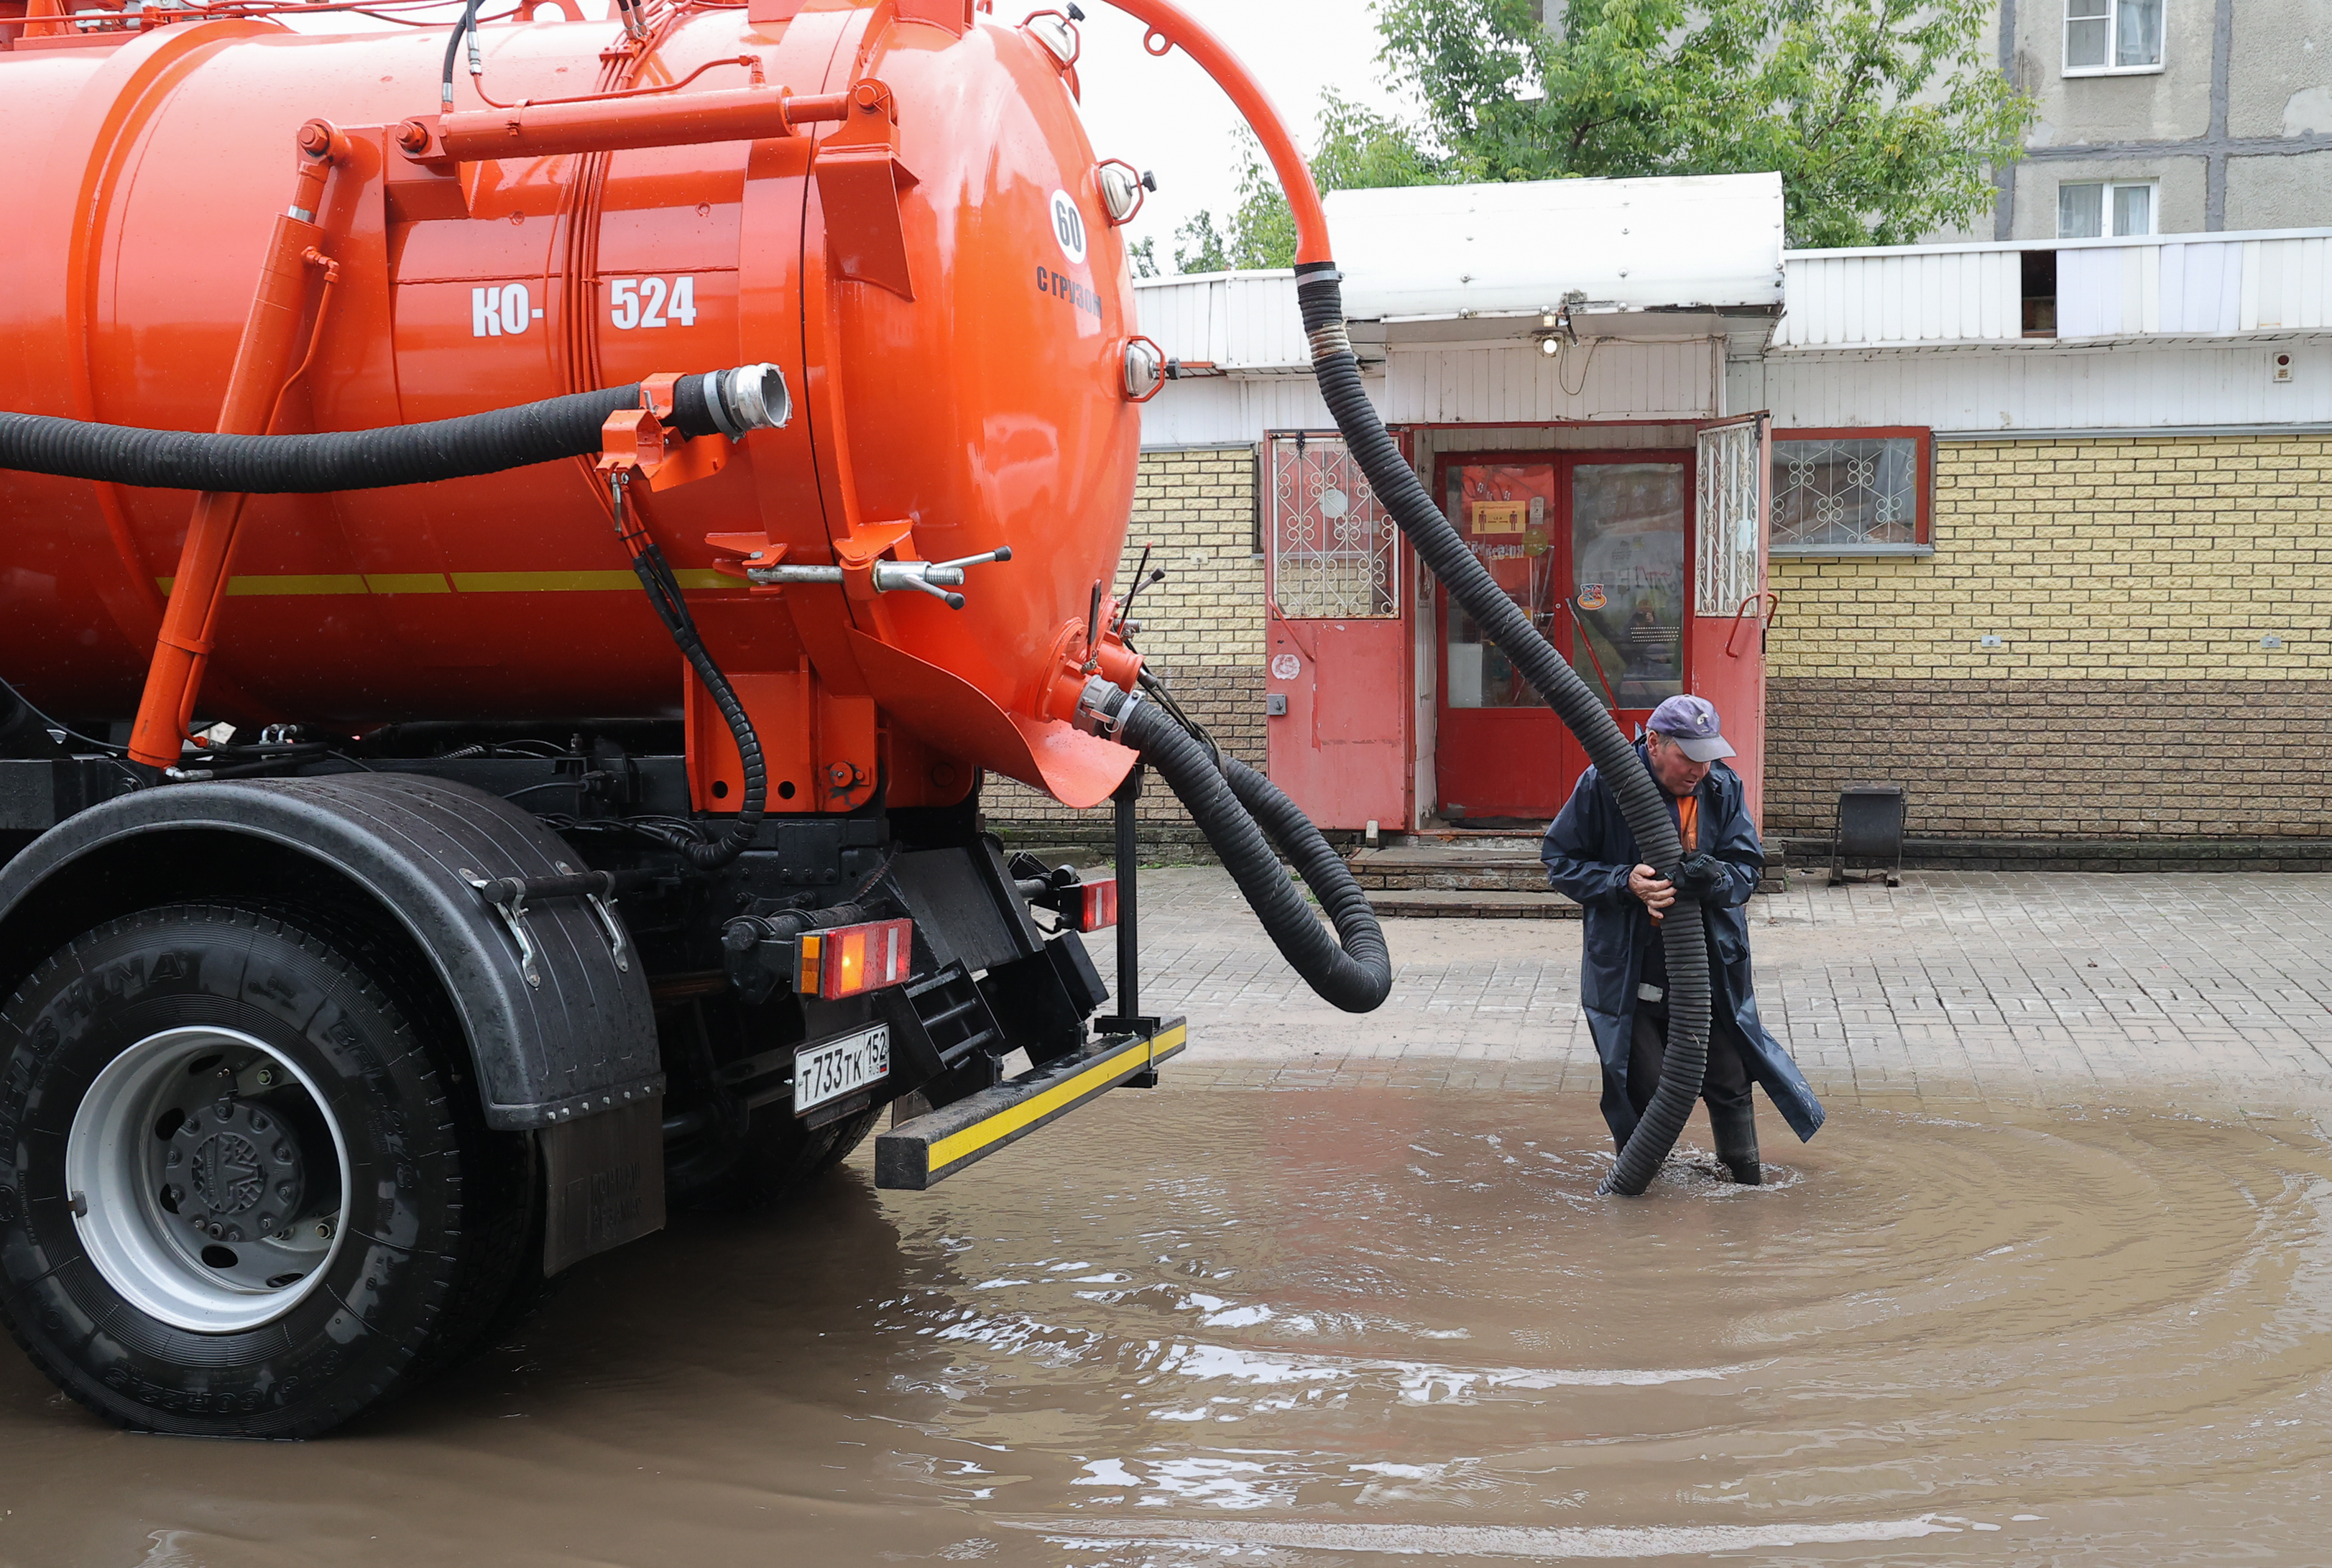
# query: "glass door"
1628,525
1593,547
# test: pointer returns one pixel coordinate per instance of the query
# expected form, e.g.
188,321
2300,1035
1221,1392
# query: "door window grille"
1331,545
1730,513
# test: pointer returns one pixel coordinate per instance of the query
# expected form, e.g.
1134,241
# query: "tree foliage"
1357,148
1197,247
1881,115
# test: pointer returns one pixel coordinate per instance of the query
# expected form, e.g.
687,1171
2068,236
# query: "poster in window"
1499,516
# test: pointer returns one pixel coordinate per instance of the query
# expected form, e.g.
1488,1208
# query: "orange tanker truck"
523,537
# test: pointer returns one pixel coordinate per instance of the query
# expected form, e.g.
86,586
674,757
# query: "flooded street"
1352,1326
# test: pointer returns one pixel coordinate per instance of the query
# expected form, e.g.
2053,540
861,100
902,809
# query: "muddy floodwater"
1353,1326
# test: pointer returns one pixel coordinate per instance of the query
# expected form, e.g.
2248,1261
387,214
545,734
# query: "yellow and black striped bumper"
918,1154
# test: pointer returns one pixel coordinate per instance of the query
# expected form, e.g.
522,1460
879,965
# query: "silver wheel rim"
208,1178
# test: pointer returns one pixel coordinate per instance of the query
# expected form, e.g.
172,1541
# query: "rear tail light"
845,961
1097,904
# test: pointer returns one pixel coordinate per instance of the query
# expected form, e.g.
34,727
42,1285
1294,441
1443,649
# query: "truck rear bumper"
921,1154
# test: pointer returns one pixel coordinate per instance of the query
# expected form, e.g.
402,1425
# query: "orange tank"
924,247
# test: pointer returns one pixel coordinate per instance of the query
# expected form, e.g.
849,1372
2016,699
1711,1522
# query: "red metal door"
1725,649
1337,686
1595,547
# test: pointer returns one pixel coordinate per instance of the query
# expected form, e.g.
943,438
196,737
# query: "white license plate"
839,1067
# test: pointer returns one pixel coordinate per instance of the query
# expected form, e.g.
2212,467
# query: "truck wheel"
779,1157
239,1195
720,1153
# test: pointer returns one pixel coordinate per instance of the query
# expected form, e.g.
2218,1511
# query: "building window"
1333,550
2103,36
1848,492
2093,209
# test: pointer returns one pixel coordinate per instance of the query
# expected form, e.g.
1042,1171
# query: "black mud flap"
603,1181
916,1155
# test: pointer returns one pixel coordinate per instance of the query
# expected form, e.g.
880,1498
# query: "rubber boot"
1736,1128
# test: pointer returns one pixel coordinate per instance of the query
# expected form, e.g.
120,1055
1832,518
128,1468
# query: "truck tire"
779,1157
721,1155
242,1194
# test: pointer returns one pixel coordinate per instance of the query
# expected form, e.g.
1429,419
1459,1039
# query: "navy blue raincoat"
1588,852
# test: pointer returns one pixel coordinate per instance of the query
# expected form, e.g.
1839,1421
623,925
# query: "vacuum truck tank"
522,541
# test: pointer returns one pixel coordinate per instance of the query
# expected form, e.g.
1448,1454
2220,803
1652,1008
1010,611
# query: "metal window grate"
1725,568
1331,545
1846,492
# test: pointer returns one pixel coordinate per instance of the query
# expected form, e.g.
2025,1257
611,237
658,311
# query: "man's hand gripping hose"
1319,290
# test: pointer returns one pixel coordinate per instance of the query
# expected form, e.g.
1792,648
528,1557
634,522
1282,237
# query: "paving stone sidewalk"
1956,986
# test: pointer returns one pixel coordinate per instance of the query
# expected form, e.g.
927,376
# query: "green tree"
1143,254
1198,248
1357,148
1881,115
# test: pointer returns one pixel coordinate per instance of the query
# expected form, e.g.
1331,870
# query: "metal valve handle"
934,577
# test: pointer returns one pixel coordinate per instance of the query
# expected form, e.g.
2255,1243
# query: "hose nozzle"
747,399
1104,707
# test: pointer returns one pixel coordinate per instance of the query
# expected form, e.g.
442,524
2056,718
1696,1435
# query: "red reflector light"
1098,907
844,960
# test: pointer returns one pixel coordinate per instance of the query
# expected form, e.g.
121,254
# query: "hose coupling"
1329,340
747,399
1104,707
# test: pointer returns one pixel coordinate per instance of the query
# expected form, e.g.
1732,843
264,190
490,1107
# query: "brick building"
2045,530
1197,511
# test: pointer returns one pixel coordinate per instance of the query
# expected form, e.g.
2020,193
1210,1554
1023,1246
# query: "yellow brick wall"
1195,508
2130,581
2125,558
1202,626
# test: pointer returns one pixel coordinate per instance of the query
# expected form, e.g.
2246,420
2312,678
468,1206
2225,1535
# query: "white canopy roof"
1436,253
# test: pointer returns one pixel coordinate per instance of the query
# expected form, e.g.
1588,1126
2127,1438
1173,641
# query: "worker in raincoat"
1591,857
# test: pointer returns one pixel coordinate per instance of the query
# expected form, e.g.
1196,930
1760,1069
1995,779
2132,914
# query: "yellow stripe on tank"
404,582
384,584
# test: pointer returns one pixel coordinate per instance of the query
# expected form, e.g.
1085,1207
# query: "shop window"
2094,209
1845,491
2105,36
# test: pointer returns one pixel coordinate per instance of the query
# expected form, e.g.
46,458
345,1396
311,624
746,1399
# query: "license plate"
838,1067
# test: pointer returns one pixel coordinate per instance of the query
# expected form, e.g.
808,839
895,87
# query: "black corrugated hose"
1235,807
663,592
730,402
1682,933
460,448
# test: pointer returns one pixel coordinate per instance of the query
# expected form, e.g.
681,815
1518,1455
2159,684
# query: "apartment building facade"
2167,117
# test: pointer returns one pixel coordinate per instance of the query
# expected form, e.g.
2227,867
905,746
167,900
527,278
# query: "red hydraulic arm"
1169,26
263,366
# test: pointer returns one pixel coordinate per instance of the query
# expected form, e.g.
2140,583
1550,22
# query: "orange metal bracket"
637,441
288,280
857,551
737,554
859,180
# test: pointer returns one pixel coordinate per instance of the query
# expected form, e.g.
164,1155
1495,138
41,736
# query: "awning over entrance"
1611,249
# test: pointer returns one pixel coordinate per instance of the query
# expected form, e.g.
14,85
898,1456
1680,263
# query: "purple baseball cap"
1691,723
